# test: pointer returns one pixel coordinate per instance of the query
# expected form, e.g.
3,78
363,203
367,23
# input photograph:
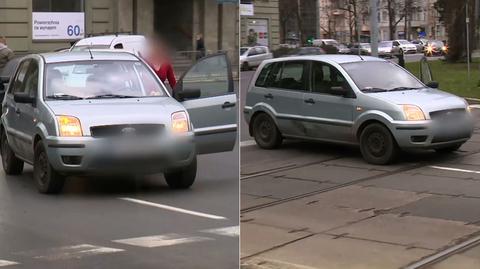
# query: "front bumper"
88,155
431,135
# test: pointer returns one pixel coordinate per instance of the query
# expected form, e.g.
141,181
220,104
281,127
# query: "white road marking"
455,169
233,231
71,252
247,143
171,208
7,263
161,240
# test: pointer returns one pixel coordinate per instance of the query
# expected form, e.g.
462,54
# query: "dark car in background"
362,49
435,48
307,51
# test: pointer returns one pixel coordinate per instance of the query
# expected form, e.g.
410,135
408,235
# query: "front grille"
450,137
126,130
448,114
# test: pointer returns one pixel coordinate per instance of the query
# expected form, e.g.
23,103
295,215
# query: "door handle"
309,101
228,104
268,96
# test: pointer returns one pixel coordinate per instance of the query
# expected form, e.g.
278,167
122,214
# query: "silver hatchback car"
107,112
354,100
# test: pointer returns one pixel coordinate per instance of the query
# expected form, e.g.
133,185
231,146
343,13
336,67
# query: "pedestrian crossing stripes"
7,263
161,240
70,252
232,231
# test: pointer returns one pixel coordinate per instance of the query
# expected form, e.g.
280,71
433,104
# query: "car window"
252,52
395,43
262,77
17,82
94,78
292,76
210,75
30,84
325,76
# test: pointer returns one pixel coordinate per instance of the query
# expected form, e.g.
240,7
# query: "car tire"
449,149
47,179
182,178
265,132
245,66
377,144
11,164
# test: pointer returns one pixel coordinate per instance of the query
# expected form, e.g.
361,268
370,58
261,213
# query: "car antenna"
91,55
361,57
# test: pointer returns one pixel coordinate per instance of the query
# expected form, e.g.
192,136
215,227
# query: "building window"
57,5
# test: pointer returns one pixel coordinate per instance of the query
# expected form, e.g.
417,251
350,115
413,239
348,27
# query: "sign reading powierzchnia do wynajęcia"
58,25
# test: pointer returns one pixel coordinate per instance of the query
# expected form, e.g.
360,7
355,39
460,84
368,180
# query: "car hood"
427,99
95,112
410,46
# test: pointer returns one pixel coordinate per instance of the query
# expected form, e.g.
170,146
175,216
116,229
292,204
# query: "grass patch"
452,77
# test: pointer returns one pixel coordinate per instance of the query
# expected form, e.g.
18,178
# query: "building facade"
337,20
259,24
25,28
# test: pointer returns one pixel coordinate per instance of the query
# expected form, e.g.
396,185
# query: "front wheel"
11,164
182,178
47,179
265,132
377,144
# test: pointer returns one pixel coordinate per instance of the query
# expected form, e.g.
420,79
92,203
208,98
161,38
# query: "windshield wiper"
109,95
404,89
63,97
373,90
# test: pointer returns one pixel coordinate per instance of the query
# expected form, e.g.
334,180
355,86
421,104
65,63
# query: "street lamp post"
374,27
467,23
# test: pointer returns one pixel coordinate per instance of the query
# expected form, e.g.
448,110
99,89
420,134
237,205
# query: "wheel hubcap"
265,130
41,168
376,144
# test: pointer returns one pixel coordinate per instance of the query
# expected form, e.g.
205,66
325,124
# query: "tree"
452,14
396,13
288,15
354,8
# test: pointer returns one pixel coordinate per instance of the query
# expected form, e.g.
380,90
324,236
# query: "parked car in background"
330,46
362,49
435,48
74,114
385,49
253,56
6,74
307,51
343,49
132,43
368,101
420,44
402,46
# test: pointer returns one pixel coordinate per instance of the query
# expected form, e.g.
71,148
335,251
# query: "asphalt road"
316,205
123,223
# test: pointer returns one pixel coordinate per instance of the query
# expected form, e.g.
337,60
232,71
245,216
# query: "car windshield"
331,42
385,44
387,76
403,42
243,50
365,46
437,44
100,79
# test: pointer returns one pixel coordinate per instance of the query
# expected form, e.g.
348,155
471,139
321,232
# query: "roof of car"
337,58
58,57
106,39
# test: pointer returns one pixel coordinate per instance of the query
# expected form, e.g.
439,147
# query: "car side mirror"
23,98
340,91
432,84
182,94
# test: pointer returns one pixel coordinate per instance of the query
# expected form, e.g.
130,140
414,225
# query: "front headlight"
413,113
180,122
69,126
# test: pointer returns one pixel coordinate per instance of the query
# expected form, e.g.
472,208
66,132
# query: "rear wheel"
265,132
182,178
377,144
245,66
11,164
47,179
449,149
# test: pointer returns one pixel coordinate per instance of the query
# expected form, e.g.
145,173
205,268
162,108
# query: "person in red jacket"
159,60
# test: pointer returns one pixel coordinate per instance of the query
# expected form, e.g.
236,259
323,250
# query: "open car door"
425,71
214,113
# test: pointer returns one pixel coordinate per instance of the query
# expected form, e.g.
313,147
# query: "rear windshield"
380,75
94,79
92,47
